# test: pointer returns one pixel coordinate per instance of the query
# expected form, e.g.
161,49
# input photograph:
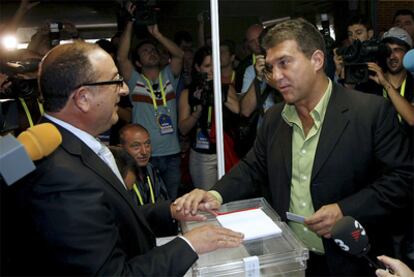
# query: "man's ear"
318,60
82,99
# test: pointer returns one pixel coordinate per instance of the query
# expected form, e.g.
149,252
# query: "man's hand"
208,238
339,64
398,267
181,216
379,77
322,221
153,30
196,200
130,7
259,67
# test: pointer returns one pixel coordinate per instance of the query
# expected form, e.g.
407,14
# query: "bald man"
76,216
253,45
150,187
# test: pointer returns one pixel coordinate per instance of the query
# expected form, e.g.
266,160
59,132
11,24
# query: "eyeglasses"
119,81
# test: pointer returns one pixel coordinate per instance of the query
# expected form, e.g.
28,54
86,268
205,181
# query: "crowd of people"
312,145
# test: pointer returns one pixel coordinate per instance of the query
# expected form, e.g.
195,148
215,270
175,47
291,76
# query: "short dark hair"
130,126
403,12
230,45
124,161
135,55
359,19
62,70
308,38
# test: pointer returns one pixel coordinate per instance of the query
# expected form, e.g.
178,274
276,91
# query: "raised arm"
124,63
176,53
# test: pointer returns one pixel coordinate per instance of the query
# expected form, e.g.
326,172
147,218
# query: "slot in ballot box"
281,254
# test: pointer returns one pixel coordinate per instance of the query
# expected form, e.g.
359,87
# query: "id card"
202,141
295,217
165,124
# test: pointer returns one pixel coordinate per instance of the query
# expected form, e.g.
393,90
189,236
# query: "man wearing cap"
397,83
398,87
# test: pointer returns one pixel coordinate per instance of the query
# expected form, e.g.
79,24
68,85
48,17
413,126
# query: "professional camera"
357,55
19,87
207,91
146,12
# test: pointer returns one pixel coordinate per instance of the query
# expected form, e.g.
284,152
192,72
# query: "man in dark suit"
75,216
325,153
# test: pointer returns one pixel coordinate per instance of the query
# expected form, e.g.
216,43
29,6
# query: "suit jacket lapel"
74,146
333,126
285,133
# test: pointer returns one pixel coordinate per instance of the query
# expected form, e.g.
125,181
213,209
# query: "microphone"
352,238
35,143
408,61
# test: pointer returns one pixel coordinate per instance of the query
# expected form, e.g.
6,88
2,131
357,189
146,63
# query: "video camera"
19,87
146,12
357,55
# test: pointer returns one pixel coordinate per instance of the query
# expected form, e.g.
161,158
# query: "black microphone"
352,238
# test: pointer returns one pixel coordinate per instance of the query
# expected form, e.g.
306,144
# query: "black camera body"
207,91
357,55
19,87
206,88
146,12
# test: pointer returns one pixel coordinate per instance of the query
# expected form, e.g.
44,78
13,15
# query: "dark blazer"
362,162
77,219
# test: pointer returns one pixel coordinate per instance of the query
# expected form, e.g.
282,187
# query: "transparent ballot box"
280,254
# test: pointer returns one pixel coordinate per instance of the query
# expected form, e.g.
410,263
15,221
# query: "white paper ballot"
253,223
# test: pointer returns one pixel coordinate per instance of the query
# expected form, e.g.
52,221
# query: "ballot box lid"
275,255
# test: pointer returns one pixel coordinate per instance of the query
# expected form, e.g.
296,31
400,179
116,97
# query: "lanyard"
154,101
253,59
233,76
139,194
402,93
402,89
26,110
209,116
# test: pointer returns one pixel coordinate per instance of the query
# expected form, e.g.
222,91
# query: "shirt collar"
87,138
291,117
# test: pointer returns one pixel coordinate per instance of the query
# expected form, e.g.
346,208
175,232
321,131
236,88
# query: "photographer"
49,34
196,117
18,74
397,83
152,93
360,37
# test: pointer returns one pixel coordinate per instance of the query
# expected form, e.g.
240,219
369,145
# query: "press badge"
165,124
202,141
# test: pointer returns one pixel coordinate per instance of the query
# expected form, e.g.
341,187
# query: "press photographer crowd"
123,132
